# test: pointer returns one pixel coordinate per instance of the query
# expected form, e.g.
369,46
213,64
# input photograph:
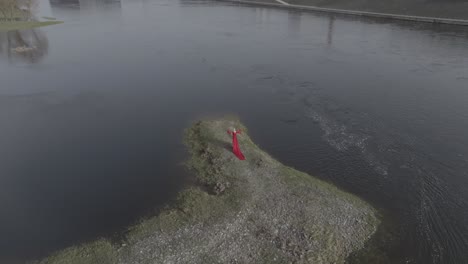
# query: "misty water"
91,123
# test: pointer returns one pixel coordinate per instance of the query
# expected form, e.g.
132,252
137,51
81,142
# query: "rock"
259,162
220,187
23,49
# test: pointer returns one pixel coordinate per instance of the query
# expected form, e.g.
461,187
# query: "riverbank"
453,13
21,25
16,15
252,211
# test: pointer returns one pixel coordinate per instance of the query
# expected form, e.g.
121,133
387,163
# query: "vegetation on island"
20,15
252,211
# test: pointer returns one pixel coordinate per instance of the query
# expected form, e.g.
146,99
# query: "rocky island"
252,211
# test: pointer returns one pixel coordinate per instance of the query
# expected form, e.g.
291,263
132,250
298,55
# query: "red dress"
235,145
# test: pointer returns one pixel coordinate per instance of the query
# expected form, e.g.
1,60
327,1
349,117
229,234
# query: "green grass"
49,18
21,25
194,204
101,251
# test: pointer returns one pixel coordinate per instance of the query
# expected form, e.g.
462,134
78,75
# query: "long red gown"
235,145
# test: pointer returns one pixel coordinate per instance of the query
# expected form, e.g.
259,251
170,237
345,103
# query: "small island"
252,211
20,15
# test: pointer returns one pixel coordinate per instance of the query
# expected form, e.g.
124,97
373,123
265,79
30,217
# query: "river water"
92,121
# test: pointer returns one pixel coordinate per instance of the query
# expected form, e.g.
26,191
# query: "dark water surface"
91,123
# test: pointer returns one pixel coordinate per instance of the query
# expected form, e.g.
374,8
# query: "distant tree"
29,45
18,9
29,7
8,8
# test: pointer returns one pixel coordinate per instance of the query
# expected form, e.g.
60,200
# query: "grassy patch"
101,251
21,25
197,203
193,205
299,180
49,18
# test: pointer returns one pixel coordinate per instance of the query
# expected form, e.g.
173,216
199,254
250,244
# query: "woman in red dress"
235,144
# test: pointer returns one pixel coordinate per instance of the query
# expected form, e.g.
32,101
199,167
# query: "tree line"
17,10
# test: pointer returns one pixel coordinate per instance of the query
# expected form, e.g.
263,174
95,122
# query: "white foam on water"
340,138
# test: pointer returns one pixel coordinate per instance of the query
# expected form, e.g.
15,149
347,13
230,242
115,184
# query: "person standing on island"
235,144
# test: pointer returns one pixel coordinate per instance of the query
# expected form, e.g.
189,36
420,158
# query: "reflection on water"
89,137
294,23
29,45
44,8
87,4
330,31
